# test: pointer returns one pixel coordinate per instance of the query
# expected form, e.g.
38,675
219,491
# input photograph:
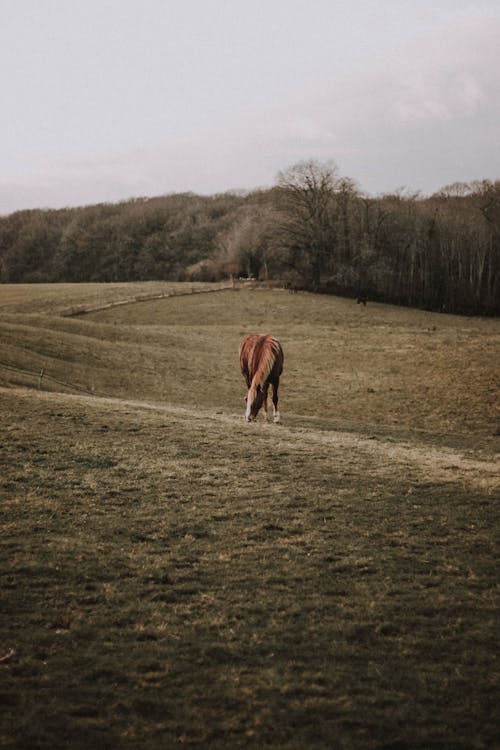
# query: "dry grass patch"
172,580
172,577
378,367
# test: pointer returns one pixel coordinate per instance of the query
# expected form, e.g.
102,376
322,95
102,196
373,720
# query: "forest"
313,230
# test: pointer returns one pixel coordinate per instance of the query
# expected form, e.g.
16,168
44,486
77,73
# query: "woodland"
313,230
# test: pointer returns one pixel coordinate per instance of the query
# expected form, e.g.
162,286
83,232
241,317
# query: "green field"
172,576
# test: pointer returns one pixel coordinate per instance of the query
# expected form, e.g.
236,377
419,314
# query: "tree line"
313,230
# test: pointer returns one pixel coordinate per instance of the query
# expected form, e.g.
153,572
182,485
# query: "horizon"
243,193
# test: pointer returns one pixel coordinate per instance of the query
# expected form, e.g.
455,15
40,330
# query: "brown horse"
261,361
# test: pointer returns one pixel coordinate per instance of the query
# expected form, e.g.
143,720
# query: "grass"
173,577
377,366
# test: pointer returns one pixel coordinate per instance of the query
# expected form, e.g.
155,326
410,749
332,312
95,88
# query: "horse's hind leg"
276,415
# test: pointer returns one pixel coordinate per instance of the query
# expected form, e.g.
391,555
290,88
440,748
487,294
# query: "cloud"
422,118
440,97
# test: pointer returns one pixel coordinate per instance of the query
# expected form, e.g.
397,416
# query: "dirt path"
76,312
384,454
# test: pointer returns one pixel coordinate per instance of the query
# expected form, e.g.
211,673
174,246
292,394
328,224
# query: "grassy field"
174,577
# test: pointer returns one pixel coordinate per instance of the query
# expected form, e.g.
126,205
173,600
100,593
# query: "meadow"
172,576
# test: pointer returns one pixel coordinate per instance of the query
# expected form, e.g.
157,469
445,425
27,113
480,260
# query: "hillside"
371,367
173,576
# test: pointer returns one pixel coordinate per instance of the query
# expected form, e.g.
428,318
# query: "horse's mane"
258,355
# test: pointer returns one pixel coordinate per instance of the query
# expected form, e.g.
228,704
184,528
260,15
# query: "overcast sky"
103,100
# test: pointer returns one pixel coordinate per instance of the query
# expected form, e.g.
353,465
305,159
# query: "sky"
105,100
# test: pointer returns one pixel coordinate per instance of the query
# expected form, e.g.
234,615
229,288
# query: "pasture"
173,577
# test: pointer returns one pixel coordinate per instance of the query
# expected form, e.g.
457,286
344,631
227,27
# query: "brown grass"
172,576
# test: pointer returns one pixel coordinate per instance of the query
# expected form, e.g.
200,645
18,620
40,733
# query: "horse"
261,362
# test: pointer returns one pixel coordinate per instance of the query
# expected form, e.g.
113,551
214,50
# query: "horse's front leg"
264,403
248,417
276,414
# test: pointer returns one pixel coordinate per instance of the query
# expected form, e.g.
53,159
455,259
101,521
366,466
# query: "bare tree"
243,247
305,193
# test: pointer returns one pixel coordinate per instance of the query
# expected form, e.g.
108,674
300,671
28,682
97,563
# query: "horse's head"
255,399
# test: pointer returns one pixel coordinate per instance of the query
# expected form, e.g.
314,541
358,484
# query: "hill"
173,576
378,366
